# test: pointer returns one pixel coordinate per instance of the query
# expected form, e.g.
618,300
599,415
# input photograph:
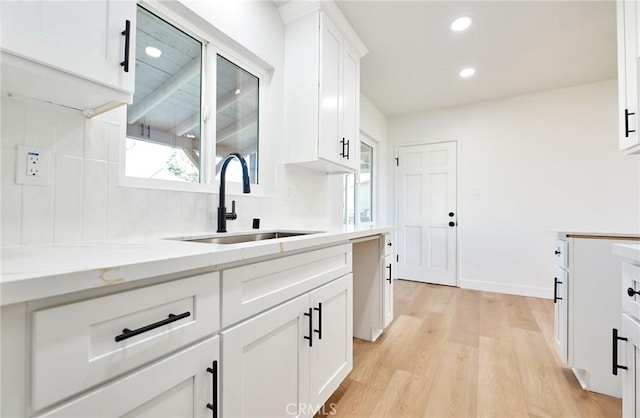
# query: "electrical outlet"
32,166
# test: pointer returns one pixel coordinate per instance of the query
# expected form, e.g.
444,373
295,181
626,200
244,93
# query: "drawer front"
562,254
253,288
75,347
630,285
388,245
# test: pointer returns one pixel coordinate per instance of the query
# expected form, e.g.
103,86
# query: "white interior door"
427,213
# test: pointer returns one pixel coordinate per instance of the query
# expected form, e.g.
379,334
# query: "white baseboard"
511,289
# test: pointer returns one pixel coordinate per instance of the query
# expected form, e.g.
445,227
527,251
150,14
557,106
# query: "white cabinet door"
629,347
79,38
628,53
561,315
387,290
350,106
330,146
331,355
181,385
266,363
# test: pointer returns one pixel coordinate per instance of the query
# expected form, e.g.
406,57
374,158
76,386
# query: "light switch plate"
32,166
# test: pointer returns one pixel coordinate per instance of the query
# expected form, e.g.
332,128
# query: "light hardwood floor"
464,353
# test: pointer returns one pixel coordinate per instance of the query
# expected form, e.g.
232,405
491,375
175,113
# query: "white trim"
508,288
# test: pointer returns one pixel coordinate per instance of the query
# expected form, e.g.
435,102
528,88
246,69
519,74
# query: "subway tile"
12,130
96,139
40,125
37,214
69,133
118,205
10,201
67,215
94,198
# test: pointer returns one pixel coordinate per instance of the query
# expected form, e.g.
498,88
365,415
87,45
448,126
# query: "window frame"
212,46
373,144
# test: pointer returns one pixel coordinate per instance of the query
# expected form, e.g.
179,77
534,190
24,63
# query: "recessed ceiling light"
461,23
152,52
467,72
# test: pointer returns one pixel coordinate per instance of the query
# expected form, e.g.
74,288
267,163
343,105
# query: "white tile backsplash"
85,202
94,200
67,225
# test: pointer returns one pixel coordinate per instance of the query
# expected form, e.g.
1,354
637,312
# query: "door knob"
452,224
451,214
632,292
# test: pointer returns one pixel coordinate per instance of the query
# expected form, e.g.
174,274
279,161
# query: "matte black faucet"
223,215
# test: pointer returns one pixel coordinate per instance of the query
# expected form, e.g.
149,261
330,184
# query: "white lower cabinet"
181,385
288,360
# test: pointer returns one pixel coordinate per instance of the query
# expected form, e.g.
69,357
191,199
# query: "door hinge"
397,162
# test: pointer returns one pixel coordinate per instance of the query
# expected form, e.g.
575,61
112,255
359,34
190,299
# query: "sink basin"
256,236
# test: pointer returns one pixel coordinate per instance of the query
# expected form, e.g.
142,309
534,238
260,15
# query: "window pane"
365,188
163,122
236,118
349,199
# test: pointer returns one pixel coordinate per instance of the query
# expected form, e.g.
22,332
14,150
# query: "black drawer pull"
614,363
214,405
389,278
127,37
310,337
319,330
127,333
555,290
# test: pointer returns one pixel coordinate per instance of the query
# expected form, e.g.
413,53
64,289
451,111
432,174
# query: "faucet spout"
223,215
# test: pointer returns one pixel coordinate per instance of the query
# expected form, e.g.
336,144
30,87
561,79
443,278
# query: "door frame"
397,197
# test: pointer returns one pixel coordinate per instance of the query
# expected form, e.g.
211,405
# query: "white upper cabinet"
322,87
628,54
74,53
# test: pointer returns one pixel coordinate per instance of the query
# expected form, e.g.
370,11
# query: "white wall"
527,165
84,200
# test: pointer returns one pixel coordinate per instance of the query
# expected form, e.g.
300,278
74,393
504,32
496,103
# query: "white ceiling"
516,47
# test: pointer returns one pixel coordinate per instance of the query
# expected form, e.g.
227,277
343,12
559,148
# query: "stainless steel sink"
237,239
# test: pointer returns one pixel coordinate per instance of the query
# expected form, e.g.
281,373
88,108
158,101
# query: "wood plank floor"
462,353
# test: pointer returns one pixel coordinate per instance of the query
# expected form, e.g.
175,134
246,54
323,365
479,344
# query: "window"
163,122
173,140
358,195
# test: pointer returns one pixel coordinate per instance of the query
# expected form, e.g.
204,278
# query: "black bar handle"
127,36
342,153
348,149
626,123
614,363
389,278
555,290
319,330
214,403
310,337
127,333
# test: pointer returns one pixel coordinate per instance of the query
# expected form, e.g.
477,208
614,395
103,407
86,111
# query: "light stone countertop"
39,271
595,234
630,251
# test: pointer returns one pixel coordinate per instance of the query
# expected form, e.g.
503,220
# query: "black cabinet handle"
310,337
213,406
127,333
348,149
319,330
614,363
632,292
556,252
127,37
389,243
451,214
626,123
345,145
452,224
389,278
555,289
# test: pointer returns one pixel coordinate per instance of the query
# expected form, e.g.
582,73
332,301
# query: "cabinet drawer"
561,253
631,283
253,288
388,244
75,347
